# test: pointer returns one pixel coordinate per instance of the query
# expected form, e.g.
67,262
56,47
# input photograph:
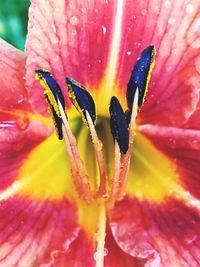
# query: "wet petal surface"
166,234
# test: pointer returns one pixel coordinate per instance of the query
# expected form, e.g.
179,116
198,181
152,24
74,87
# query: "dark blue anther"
52,84
53,94
140,77
81,99
118,124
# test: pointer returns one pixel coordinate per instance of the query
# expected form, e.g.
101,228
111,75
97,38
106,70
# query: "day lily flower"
86,200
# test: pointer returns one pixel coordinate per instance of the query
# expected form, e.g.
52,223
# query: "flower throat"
122,126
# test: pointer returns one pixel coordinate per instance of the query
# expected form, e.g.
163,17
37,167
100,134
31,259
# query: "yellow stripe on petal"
152,175
46,171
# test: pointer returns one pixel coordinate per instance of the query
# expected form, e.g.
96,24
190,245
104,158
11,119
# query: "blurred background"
13,21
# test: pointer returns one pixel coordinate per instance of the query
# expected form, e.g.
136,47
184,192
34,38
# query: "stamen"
56,104
81,180
125,163
115,183
140,78
118,188
84,103
99,155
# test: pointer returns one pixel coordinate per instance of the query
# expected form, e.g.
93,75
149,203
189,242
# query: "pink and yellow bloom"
44,221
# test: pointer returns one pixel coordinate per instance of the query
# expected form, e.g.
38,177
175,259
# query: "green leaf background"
13,21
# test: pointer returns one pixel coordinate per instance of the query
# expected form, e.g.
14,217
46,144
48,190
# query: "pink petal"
12,66
165,234
116,257
17,134
182,146
172,28
15,145
82,250
69,39
99,42
33,233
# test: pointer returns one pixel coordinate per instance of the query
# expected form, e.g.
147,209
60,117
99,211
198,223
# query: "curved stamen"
99,155
81,180
125,162
121,173
84,103
56,104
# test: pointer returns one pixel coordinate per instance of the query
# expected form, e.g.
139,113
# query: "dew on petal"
189,8
196,27
143,12
74,32
104,29
128,53
193,37
74,20
105,251
171,21
190,239
53,27
84,10
172,142
167,4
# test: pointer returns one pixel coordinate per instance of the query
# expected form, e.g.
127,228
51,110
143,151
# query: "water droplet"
189,8
54,39
96,10
84,10
74,32
104,29
167,4
74,20
128,53
22,123
56,58
105,252
53,27
190,239
196,27
139,44
172,142
172,21
143,12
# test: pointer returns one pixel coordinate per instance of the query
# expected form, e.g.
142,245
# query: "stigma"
122,126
